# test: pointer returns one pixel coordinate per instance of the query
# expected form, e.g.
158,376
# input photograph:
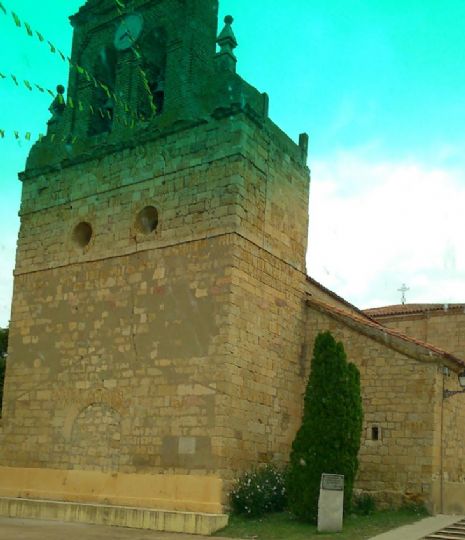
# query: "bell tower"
137,67
158,309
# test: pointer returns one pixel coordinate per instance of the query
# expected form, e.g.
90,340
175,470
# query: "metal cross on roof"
403,290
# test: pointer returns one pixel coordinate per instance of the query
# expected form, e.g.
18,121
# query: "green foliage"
329,438
3,341
259,492
286,526
364,505
3,350
417,508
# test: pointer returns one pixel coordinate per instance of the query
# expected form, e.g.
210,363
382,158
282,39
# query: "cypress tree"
328,440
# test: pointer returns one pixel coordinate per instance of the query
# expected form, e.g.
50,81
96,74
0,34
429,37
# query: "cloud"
376,225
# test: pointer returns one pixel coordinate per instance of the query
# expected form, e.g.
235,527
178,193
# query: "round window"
82,234
147,220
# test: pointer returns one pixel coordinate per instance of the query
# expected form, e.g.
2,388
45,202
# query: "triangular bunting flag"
16,19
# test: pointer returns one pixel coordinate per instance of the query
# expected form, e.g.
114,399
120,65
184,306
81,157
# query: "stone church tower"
162,320
159,312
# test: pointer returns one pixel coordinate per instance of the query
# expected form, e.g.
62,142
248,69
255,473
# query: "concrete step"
119,516
451,532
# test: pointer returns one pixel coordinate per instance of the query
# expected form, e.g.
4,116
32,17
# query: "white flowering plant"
261,491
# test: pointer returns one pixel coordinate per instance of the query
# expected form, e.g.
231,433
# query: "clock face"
128,31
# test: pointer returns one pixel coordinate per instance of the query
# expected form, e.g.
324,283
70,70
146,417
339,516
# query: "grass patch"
286,527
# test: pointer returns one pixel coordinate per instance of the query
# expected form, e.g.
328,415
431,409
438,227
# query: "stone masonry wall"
318,292
397,396
114,363
267,356
128,354
445,329
217,177
449,451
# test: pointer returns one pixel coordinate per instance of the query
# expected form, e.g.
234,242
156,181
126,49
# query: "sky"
378,86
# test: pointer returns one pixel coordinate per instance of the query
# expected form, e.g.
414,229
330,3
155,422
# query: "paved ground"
30,529
418,530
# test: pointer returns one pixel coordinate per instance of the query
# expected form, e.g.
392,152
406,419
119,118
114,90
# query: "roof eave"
390,338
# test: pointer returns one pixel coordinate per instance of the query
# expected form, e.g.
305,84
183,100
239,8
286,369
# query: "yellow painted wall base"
120,516
181,493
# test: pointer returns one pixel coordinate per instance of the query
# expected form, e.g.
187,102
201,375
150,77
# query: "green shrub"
3,350
414,503
364,505
262,491
328,440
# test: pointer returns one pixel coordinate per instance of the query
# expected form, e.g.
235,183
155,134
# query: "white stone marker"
331,503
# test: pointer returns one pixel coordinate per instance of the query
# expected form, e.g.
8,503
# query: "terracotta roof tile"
409,309
383,330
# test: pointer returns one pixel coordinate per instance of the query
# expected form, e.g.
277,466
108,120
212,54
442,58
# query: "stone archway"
95,439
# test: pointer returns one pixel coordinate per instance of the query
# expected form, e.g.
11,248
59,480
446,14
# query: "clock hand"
129,35
124,35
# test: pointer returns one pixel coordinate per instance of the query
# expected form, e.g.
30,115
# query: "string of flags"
129,121
69,102
29,85
31,32
29,136
55,50
19,136
53,137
